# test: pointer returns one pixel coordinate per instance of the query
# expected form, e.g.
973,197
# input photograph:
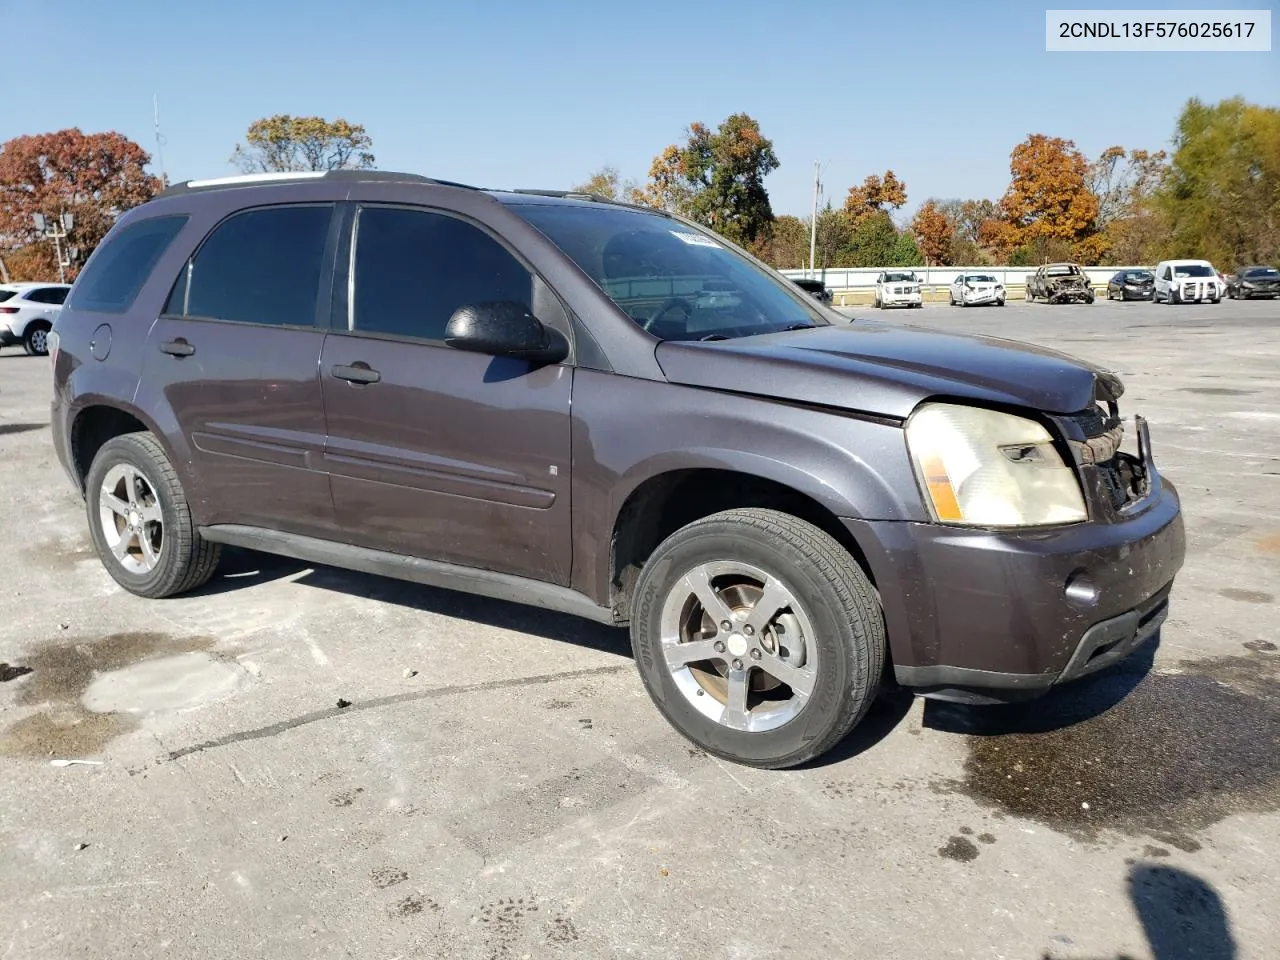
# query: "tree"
934,232
873,241
1221,197
788,244
834,240
95,177
717,178
1120,180
1048,196
288,144
906,252
608,183
874,196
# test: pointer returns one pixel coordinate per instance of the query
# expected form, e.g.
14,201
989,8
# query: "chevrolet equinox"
613,412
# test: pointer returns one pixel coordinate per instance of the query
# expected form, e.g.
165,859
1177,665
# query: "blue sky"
503,93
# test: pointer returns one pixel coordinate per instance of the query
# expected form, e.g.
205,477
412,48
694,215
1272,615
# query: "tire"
1029,296
833,608
178,559
36,338
952,298
999,303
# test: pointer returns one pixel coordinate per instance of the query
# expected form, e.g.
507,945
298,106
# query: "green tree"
1221,197
787,246
608,183
906,253
717,179
289,144
873,241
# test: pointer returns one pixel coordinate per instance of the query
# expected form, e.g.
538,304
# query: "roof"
252,179
28,284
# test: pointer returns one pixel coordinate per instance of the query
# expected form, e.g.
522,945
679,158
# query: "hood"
878,368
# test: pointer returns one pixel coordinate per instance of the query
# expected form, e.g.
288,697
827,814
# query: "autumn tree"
95,177
607,183
716,178
934,231
289,144
875,195
1221,197
1048,203
787,246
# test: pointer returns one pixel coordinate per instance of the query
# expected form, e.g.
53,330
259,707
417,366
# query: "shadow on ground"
245,568
1182,917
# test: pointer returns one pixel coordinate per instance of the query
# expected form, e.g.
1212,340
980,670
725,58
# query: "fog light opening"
1080,589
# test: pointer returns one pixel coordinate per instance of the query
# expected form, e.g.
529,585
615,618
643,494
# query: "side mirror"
504,328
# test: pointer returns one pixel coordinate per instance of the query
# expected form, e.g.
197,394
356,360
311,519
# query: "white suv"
27,312
898,288
1188,281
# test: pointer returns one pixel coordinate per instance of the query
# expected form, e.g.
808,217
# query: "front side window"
675,281
261,266
414,269
118,269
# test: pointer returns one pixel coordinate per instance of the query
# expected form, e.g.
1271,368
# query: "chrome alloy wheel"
132,521
737,643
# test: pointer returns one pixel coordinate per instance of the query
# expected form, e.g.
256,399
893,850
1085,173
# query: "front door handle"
177,348
357,372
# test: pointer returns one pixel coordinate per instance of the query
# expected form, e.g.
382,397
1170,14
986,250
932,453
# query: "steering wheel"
668,305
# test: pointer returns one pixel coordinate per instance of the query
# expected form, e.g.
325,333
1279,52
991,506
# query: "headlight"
989,469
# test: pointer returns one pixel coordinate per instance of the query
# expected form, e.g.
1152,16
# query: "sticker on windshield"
695,239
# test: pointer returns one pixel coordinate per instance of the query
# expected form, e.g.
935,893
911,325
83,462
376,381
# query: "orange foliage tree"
1048,205
95,177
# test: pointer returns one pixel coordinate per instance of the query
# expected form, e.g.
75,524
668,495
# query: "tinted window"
118,269
414,269
262,266
53,295
6,294
1262,272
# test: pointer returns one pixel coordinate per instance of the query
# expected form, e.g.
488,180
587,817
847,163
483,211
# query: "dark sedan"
815,288
1132,285
1254,282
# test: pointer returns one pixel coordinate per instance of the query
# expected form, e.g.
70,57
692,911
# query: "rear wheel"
758,637
36,339
140,522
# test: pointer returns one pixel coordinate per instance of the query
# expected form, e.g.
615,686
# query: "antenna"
160,141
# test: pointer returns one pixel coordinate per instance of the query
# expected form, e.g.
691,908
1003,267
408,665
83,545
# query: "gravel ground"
501,787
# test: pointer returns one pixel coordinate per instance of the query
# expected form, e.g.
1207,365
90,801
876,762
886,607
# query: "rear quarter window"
120,267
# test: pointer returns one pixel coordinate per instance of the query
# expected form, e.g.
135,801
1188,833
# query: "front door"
234,362
433,452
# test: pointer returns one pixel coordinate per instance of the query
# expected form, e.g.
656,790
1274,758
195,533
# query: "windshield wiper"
801,326
713,336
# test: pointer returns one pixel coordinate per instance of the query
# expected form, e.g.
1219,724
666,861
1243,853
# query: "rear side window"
260,266
6,294
52,295
413,269
118,269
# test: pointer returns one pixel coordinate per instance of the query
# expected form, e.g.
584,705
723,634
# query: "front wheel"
758,637
140,521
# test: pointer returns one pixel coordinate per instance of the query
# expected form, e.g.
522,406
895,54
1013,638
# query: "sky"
523,94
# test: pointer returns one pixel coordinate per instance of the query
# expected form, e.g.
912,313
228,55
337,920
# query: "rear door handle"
357,372
177,348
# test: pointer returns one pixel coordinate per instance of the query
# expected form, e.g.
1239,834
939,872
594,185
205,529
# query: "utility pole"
813,224
56,229
155,105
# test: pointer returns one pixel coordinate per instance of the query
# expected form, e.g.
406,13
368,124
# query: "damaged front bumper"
982,615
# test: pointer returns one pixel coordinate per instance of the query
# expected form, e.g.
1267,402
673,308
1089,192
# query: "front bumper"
983,296
998,615
890,299
1137,293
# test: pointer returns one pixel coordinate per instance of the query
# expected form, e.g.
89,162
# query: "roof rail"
249,179
573,194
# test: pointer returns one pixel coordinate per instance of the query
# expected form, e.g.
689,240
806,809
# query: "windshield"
676,282
1192,270
6,294
1061,271
1263,272
899,278
979,278
1140,275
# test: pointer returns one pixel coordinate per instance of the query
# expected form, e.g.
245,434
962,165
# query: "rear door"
235,358
433,452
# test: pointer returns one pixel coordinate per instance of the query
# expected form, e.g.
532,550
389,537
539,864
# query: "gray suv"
609,411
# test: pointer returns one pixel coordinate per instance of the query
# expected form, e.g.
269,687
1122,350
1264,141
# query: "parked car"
1250,282
1059,283
898,288
1187,281
973,289
609,411
1131,285
27,312
815,288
